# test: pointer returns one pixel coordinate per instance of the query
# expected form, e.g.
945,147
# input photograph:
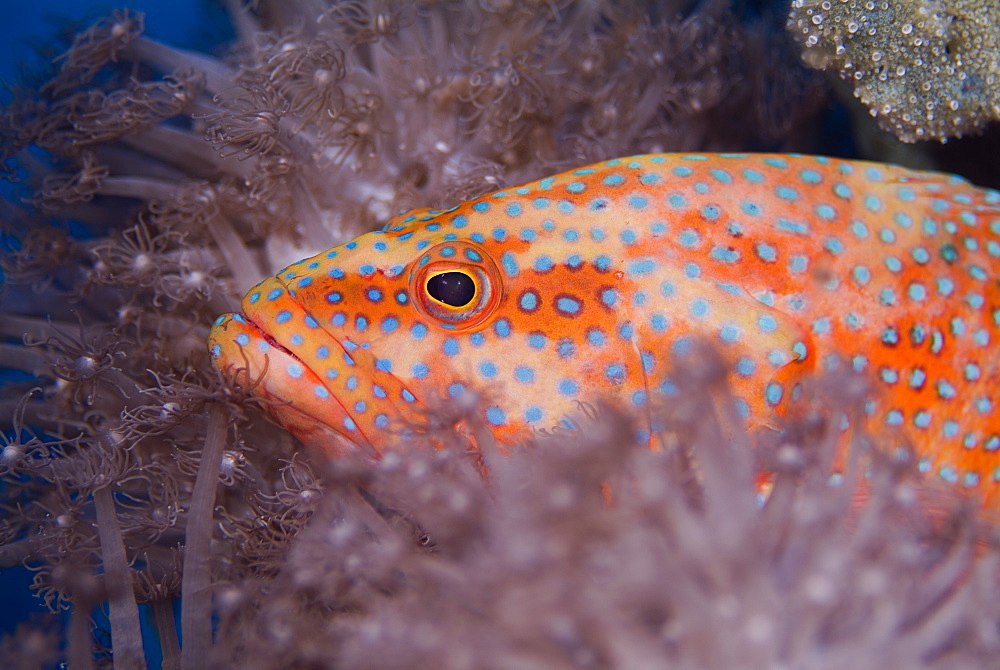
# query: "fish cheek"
575,346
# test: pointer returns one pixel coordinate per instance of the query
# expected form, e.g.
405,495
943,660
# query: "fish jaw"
328,393
247,356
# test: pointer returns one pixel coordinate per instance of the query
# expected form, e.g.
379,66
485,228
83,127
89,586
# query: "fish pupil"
452,288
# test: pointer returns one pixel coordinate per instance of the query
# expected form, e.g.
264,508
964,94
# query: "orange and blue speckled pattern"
586,284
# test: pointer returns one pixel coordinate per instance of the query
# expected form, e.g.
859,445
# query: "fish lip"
270,339
366,449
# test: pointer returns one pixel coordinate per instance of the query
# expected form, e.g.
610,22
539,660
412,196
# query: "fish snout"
329,393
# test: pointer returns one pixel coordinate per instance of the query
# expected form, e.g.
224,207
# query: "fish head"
345,347
348,345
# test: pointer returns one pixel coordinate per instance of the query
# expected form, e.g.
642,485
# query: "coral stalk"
126,635
16,358
163,616
186,150
196,593
164,58
79,654
246,271
33,328
137,187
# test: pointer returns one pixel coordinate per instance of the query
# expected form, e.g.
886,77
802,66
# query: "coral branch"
14,357
141,188
246,270
126,634
80,656
185,150
167,59
196,591
163,615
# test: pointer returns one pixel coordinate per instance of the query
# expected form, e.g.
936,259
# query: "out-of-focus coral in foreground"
160,184
590,551
926,69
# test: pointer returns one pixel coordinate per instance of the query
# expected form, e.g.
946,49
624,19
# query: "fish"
584,286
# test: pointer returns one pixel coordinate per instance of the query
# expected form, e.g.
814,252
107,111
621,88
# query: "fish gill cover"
161,183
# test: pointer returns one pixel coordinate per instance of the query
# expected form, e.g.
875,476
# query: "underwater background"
27,37
28,40
152,172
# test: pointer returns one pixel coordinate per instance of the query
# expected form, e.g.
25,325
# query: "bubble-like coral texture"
926,69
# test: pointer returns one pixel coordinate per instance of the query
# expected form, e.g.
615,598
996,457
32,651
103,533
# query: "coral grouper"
585,285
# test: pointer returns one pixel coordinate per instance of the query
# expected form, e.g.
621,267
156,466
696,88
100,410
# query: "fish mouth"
328,392
253,359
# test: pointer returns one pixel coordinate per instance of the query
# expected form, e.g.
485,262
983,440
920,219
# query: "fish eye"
452,288
456,286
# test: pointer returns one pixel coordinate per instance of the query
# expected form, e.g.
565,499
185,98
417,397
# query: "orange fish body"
584,285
